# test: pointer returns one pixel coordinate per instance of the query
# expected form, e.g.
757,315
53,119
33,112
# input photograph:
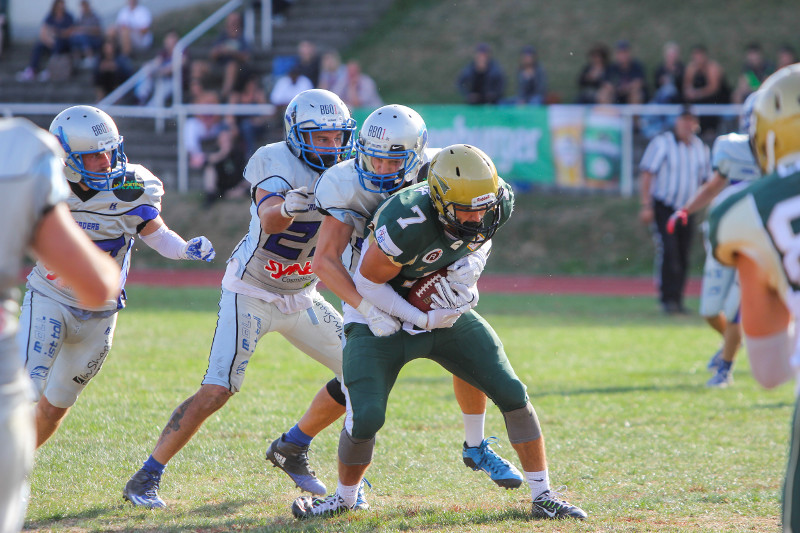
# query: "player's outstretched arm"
169,244
65,248
334,236
766,323
277,211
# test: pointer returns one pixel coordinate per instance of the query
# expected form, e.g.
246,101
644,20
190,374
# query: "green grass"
641,444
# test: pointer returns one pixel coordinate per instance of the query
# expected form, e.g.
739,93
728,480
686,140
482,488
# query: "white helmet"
317,110
391,132
746,113
83,129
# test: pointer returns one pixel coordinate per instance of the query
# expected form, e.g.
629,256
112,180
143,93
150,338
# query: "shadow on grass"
86,514
617,390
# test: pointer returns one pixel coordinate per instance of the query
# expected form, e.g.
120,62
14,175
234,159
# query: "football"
419,295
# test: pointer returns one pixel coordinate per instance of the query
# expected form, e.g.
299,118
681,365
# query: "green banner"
515,137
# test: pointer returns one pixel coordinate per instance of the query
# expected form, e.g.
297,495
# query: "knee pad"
355,451
522,424
334,388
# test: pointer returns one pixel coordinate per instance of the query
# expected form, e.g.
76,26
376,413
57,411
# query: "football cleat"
305,507
714,362
293,460
499,470
549,505
361,498
142,490
723,378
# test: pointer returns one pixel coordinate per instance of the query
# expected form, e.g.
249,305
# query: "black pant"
672,254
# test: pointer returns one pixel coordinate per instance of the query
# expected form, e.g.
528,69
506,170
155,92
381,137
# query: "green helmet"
463,180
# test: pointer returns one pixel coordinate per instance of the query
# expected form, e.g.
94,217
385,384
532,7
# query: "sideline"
497,283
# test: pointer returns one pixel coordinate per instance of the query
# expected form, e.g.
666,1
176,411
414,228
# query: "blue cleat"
293,460
499,470
361,498
722,379
715,361
142,490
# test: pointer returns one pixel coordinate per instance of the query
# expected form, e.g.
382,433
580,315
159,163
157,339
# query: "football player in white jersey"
733,167
65,342
391,149
32,195
269,286
755,231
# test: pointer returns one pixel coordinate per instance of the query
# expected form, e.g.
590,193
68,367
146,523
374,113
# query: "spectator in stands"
482,81
288,86
199,78
786,57
357,89
132,29
308,61
156,89
252,128
86,36
111,70
331,70
531,78
668,79
594,86
626,75
754,71
704,83
53,40
211,142
231,51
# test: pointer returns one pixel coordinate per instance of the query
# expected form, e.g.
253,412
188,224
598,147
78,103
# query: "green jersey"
407,229
763,222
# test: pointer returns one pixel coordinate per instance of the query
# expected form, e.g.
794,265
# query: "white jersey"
277,263
732,157
111,219
31,183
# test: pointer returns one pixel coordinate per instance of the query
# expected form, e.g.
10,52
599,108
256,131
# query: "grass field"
632,432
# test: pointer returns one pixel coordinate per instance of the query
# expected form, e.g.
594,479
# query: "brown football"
420,293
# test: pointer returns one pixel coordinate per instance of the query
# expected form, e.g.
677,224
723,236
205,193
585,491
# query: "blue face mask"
384,183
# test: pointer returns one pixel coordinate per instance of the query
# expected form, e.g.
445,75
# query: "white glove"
199,249
380,324
444,318
469,295
295,202
454,295
467,270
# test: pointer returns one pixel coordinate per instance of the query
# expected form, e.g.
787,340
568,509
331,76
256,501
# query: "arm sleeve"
166,242
382,296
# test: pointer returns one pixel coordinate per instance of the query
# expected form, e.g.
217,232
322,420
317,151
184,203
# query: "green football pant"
470,350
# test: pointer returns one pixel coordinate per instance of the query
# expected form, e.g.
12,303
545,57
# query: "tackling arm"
334,236
707,192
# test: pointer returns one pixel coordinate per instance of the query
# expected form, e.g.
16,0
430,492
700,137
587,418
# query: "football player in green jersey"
755,230
414,233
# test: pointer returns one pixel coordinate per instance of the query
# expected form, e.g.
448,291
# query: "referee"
674,165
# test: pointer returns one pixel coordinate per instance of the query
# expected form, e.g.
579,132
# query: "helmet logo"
443,184
100,129
377,132
432,256
328,109
483,200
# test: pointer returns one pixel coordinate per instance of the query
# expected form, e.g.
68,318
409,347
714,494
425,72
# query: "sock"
295,436
348,493
151,465
538,482
473,429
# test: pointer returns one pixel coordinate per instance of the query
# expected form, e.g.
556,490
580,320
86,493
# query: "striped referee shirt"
678,168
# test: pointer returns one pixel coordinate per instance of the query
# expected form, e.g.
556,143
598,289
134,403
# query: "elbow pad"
385,298
770,357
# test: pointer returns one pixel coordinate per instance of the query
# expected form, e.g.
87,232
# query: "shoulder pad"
272,161
23,144
140,185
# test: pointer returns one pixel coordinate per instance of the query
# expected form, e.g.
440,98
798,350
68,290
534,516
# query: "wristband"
270,195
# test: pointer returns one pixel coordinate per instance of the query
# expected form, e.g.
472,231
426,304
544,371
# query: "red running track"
498,283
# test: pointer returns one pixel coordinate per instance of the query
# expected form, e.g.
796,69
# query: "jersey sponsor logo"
89,225
112,206
432,256
40,372
386,243
277,270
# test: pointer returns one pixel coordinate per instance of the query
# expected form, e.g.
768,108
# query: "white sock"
348,493
473,429
538,482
